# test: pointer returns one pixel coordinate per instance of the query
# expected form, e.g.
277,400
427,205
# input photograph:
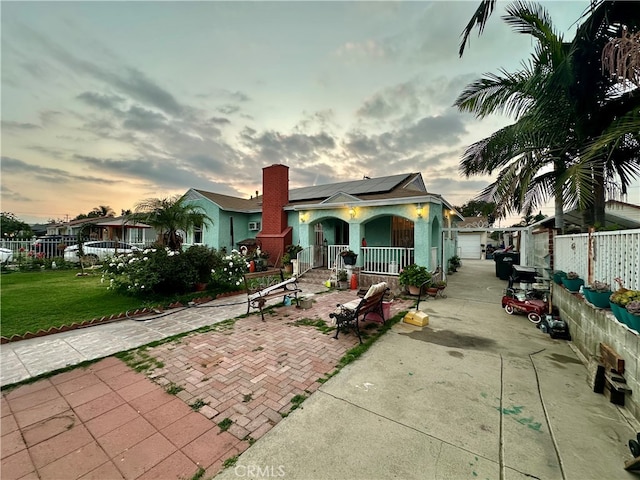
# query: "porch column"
356,232
304,234
422,242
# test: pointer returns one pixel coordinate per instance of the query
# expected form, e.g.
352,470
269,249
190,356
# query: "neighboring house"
388,221
473,237
107,228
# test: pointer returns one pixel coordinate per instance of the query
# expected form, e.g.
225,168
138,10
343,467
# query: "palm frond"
479,20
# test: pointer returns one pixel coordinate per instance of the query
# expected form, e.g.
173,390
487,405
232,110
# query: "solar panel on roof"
357,187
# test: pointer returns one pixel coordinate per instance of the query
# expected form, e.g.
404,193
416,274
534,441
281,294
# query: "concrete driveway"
476,394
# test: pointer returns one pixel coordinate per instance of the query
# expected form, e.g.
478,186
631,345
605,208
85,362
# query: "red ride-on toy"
525,301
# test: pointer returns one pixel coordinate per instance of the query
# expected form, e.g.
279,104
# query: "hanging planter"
349,257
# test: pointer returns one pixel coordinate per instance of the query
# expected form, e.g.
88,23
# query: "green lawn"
30,301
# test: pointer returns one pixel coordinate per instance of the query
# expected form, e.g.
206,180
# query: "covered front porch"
385,239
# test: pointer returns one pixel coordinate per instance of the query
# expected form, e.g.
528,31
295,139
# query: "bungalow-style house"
389,222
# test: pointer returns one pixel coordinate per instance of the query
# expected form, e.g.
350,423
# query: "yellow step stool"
417,318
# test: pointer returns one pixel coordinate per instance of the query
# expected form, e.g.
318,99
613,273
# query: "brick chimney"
275,233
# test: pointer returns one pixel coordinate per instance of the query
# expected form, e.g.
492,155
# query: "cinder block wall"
590,326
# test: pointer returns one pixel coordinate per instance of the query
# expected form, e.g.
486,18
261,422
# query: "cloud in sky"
102,107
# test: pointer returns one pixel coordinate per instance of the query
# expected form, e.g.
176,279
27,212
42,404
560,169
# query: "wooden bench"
349,313
263,286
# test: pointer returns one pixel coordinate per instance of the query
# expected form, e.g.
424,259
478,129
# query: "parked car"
5,255
98,250
52,245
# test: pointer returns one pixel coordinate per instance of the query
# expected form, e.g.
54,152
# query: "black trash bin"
505,260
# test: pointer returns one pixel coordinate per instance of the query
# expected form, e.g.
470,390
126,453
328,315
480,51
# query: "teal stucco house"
389,222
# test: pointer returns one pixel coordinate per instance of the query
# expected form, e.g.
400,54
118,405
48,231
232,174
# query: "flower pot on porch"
413,290
586,291
288,268
572,284
432,291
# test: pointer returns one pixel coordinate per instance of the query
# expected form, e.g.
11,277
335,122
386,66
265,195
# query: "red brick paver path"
109,422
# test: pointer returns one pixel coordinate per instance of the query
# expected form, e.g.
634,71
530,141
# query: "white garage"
469,245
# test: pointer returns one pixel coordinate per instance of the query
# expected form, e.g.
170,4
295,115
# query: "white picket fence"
614,255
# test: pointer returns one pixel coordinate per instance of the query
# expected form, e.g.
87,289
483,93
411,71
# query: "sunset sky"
109,103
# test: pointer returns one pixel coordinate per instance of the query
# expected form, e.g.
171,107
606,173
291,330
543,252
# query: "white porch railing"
335,260
386,260
614,255
305,260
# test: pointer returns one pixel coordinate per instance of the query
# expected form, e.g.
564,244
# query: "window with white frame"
197,234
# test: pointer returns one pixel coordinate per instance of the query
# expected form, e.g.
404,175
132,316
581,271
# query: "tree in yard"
168,216
478,208
11,227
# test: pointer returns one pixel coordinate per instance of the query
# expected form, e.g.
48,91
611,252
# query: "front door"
319,249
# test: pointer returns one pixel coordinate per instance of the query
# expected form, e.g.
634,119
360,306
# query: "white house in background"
472,237
107,228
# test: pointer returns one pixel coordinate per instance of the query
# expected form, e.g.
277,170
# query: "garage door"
469,245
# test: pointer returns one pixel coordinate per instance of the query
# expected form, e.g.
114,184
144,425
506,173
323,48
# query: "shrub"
414,275
230,270
151,271
204,260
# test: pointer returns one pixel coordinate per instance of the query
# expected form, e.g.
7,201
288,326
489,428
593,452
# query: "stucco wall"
591,326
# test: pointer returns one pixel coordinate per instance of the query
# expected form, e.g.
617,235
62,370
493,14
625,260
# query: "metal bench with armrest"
348,314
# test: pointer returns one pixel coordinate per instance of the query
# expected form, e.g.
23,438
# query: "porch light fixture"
303,217
352,212
419,210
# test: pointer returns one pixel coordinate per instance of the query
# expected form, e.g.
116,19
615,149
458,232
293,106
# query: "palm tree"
101,211
168,216
537,96
563,106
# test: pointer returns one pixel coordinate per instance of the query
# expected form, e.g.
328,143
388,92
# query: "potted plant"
413,277
633,313
342,279
598,294
558,275
572,282
440,284
454,263
290,255
349,257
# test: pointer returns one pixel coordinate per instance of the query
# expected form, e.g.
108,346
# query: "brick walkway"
107,421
